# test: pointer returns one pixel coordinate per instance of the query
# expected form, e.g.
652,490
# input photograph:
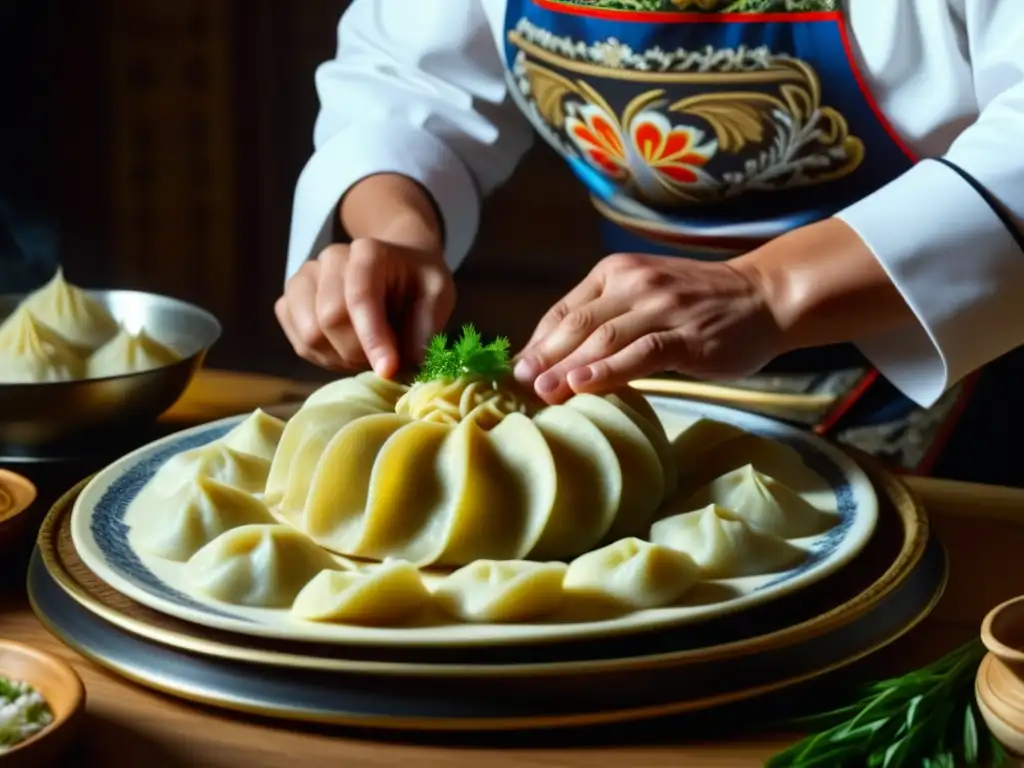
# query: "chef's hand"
378,300
637,315
338,310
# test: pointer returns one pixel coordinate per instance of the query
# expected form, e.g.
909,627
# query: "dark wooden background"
177,131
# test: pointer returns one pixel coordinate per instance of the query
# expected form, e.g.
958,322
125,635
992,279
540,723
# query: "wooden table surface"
129,726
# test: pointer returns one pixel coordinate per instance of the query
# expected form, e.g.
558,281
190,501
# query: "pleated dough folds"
502,591
258,566
389,594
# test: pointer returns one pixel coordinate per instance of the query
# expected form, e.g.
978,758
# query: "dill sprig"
926,718
469,356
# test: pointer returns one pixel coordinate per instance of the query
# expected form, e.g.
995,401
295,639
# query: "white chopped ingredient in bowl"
23,713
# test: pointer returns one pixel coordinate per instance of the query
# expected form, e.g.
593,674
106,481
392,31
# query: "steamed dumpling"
199,513
260,566
502,591
764,503
633,573
216,461
258,435
723,545
72,313
388,594
32,353
130,353
698,439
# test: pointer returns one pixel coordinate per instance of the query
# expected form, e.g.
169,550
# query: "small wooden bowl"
999,686
64,693
17,494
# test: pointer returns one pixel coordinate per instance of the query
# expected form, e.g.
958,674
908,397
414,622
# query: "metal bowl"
35,417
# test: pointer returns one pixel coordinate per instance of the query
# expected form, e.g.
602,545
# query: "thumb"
366,294
430,310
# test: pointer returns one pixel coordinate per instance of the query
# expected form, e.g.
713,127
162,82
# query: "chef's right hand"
368,302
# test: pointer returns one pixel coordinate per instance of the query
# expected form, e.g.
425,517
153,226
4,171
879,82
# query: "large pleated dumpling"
258,435
215,461
301,447
259,566
764,503
367,387
464,469
72,313
32,353
632,573
388,594
724,545
129,353
644,484
502,591
178,527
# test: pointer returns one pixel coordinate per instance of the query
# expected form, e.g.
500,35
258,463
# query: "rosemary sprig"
468,356
926,718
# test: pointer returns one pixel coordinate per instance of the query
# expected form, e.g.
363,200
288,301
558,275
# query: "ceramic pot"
999,686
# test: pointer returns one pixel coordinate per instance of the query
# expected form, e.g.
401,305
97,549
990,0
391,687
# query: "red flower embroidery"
597,136
672,151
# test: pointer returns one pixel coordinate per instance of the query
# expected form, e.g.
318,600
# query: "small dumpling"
698,438
260,566
258,435
764,503
129,353
633,573
32,353
72,313
723,545
199,513
388,594
216,461
502,591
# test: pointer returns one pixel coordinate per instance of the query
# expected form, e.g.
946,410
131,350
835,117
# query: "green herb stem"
927,717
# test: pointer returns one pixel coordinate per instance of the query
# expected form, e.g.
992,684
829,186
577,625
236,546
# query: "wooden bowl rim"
994,621
69,681
22,490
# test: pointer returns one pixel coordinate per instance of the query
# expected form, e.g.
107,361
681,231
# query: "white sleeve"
958,264
417,88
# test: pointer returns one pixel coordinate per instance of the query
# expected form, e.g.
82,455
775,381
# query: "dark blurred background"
155,144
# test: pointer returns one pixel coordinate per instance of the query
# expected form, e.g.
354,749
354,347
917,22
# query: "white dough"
260,566
177,528
724,545
258,435
388,594
32,353
502,591
764,503
129,353
633,573
216,461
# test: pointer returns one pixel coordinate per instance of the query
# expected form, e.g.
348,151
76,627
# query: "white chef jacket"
418,88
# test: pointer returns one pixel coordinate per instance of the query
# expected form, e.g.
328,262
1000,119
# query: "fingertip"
384,364
525,370
581,378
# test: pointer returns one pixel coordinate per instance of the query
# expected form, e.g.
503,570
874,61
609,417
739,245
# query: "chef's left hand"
636,315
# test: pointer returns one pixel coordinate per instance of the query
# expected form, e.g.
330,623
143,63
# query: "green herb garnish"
468,357
925,718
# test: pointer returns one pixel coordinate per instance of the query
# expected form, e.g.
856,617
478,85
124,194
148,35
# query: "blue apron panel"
715,131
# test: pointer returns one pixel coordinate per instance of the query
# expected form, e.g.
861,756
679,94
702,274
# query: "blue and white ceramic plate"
100,535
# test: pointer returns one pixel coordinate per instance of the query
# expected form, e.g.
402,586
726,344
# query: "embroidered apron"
706,134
